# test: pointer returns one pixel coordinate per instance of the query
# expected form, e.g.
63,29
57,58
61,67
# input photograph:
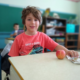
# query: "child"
16,28
8,46
32,41
5,65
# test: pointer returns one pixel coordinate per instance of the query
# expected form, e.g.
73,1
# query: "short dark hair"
36,13
15,24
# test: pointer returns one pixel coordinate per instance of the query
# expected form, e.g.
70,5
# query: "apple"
60,54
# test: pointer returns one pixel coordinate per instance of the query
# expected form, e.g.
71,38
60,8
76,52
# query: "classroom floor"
4,74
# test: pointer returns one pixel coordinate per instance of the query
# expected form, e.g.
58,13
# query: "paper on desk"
74,59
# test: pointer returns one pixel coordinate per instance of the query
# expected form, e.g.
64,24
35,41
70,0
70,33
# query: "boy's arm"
60,47
71,53
14,51
13,34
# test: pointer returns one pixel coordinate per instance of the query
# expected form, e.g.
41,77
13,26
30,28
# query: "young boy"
32,41
16,28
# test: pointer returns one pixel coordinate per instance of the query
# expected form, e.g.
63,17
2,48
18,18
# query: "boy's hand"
15,34
72,53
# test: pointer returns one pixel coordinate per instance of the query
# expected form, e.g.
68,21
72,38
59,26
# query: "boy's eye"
35,19
29,19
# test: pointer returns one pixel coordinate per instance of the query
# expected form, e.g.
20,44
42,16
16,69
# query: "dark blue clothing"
5,64
13,33
0,67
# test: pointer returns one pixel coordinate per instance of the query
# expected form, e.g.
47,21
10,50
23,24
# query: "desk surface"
10,38
45,66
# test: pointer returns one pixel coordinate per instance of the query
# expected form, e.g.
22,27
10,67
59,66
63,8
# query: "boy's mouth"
32,27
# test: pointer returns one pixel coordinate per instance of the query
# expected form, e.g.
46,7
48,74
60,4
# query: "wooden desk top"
45,66
10,38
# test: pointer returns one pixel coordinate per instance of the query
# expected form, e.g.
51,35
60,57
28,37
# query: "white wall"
78,13
55,5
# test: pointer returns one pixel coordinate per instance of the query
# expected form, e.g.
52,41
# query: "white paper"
74,59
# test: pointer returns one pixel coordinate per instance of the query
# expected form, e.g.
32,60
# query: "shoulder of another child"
12,32
20,36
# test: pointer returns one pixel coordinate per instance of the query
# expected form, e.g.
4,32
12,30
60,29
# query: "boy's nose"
33,21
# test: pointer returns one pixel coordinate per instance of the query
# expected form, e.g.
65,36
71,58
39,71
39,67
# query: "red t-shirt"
25,44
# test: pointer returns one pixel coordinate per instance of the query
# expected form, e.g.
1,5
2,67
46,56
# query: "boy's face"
16,27
31,23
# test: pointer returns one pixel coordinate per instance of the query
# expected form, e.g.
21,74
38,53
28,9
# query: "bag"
5,64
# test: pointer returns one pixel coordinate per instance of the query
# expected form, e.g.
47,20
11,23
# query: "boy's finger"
71,53
75,54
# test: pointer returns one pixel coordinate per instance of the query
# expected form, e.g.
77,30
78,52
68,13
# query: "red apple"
60,54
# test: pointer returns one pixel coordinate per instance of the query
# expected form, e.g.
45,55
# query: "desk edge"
16,70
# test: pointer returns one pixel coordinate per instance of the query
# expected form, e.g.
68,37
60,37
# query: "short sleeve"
14,49
49,43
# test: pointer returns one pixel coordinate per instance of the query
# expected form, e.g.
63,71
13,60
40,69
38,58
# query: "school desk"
44,66
7,40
